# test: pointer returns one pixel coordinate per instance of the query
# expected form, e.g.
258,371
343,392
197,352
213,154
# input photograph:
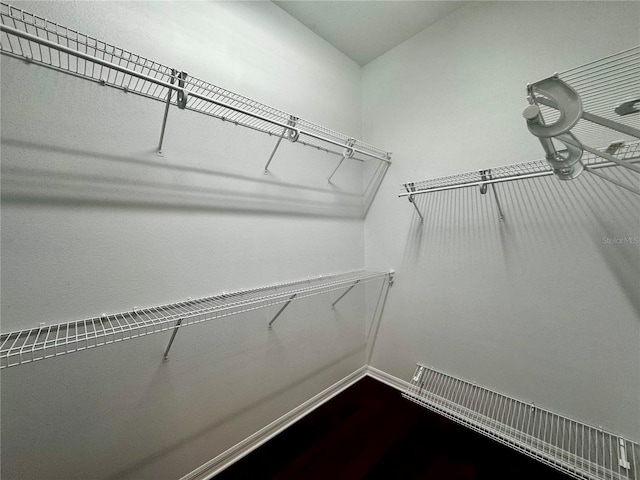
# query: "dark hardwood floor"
370,432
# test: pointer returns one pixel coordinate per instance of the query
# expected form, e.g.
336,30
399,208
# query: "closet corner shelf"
47,341
46,43
595,104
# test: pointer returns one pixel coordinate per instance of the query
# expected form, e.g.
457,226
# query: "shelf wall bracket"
266,167
282,309
165,358
346,153
333,305
292,135
166,111
495,195
486,176
410,187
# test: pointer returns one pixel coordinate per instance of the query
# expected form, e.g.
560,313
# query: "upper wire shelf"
595,104
537,168
41,41
46,341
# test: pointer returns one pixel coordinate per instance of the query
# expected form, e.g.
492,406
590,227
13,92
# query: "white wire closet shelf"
43,42
629,152
47,341
594,104
577,449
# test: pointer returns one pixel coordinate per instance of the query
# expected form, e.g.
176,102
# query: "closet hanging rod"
520,171
47,341
189,93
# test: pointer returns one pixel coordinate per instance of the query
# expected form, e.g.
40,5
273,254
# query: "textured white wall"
93,221
539,306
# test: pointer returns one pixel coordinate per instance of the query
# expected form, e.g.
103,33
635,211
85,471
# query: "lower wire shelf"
580,450
28,345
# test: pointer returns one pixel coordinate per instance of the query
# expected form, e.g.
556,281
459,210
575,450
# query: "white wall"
537,306
94,221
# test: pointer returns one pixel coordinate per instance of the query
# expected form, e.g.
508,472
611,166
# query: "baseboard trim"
235,453
387,379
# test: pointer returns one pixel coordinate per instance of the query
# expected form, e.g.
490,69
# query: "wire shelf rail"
537,168
47,341
582,451
38,40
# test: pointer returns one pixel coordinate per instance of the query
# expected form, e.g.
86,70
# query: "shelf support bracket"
495,195
486,176
346,153
266,167
333,305
172,80
165,358
282,309
291,133
410,187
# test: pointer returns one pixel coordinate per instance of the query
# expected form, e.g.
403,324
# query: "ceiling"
364,30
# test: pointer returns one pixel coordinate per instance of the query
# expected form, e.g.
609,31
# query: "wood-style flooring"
370,432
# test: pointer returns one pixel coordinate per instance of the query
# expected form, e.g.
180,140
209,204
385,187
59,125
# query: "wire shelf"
41,41
580,450
519,171
604,85
28,345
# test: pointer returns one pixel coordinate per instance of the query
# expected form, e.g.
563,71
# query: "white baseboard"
387,379
235,453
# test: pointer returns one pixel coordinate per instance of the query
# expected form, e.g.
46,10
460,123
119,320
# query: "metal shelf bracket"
165,357
410,187
172,80
486,175
282,309
333,305
292,136
346,153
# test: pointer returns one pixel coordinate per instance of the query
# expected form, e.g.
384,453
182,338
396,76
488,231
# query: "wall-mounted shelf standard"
629,153
580,450
594,104
46,341
40,41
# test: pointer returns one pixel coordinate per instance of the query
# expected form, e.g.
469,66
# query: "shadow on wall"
165,186
130,471
586,216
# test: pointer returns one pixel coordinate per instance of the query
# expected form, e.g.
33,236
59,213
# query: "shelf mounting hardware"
333,305
486,175
183,95
622,455
165,357
282,309
292,135
627,108
410,187
166,111
346,153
